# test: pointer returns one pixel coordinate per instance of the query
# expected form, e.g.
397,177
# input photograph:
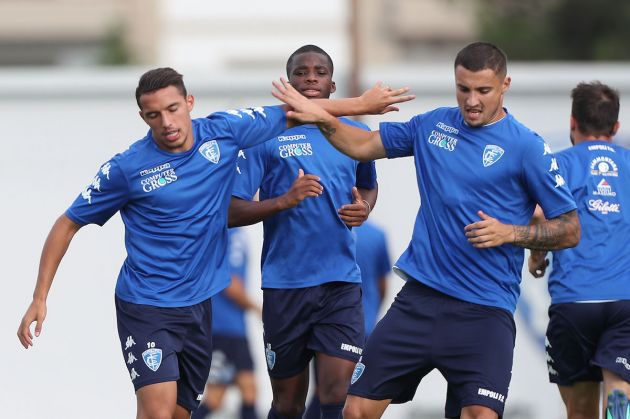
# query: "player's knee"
353,411
582,408
289,410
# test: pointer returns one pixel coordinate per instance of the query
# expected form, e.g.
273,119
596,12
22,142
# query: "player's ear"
615,128
333,87
190,102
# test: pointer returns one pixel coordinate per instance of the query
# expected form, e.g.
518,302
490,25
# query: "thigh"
398,353
475,349
149,348
288,316
572,338
333,378
613,347
339,327
195,356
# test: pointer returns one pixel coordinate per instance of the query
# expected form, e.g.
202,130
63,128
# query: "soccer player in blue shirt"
480,175
172,189
588,336
310,197
232,362
375,265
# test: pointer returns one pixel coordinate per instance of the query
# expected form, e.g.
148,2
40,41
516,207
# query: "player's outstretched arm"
54,249
354,142
377,100
243,212
557,233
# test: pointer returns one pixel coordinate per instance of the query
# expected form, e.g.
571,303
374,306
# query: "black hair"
595,108
157,79
482,55
309,48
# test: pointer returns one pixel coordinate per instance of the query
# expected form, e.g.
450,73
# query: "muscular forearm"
354,142
558,233
243,212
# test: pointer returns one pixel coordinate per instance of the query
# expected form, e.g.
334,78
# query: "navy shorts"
161,344
300,322
230,355
470,344
583,338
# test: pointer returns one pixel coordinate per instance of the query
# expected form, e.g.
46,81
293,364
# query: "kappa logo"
210,150
270,356
358,372
152,358
491,154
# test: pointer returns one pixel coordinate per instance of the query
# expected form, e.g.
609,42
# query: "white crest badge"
210,150
270,356
358,371
152,358
492,154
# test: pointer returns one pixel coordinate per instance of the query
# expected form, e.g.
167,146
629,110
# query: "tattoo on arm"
557,233
327,130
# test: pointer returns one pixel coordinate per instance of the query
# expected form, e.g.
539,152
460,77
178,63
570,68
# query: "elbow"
575,235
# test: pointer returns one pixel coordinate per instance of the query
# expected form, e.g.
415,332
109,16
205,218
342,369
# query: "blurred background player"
310,197
232,363
375,264
588,336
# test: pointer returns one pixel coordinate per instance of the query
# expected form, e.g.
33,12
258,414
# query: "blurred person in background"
232,362
588,336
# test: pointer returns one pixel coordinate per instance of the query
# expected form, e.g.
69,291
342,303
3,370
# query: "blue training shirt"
374,262
502,169
598,268
307,245
174,207
228,318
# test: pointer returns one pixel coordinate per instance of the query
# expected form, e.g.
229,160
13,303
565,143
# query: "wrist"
367,205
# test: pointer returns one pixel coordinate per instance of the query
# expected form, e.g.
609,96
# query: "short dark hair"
309,48
157,79
482,55
595,108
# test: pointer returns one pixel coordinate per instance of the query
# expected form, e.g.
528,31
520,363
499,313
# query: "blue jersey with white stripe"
502,169
598,268
375,264
307,245
174,207
228,318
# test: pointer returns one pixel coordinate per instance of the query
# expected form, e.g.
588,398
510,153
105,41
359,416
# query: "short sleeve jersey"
228,318
502,169
598,268
174,207
374,261
309,244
